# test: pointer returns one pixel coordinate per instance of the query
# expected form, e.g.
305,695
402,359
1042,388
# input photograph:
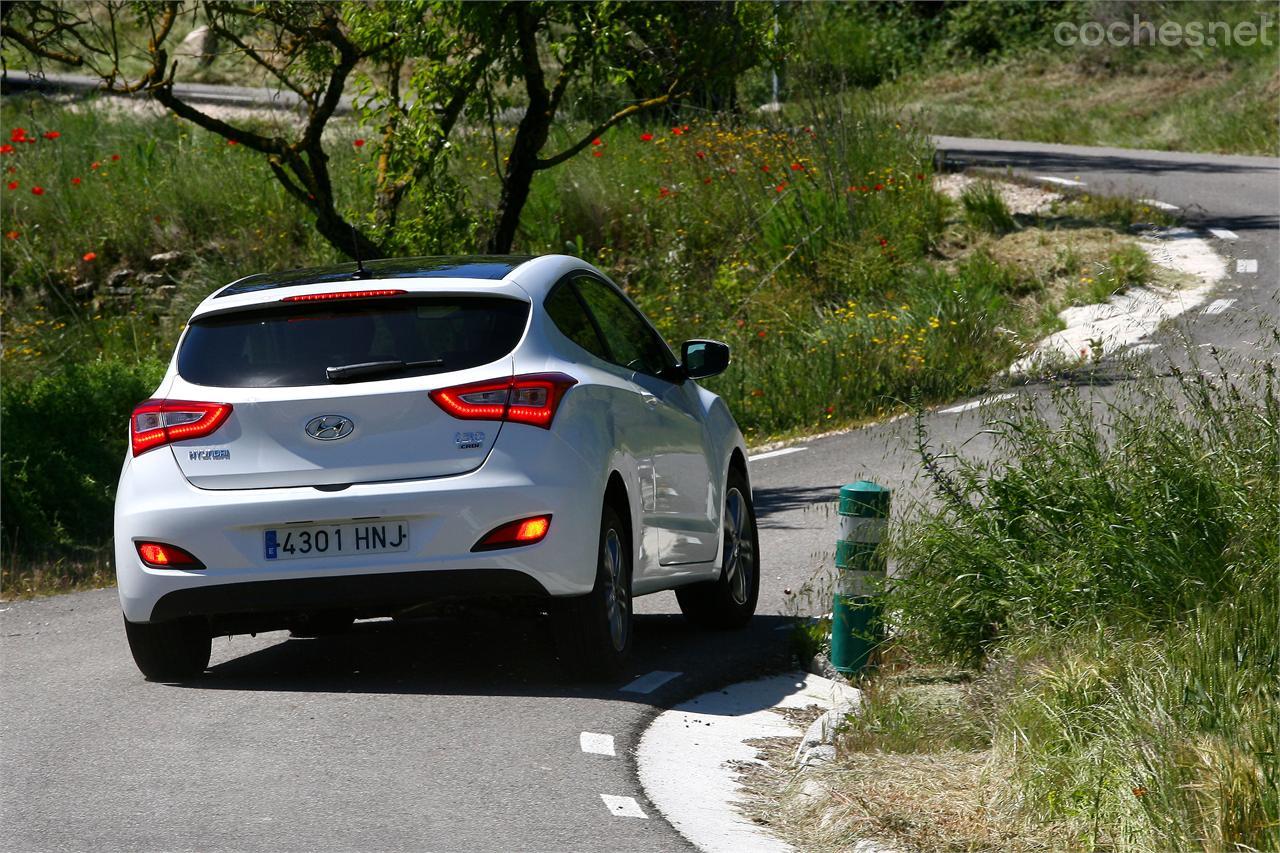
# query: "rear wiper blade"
366,369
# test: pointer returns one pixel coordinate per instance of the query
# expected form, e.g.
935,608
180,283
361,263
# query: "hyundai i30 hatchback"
360,441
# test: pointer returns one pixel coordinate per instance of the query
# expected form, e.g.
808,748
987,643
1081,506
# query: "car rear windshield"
297,345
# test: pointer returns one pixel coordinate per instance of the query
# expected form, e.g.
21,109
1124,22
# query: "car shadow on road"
486,655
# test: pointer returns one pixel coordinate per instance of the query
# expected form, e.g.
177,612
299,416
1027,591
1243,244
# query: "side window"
631,340
566,311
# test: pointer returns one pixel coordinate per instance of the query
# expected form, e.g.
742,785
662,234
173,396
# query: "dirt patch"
1020,199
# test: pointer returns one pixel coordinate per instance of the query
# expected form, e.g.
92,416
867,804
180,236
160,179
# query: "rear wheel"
593,631
170,651
730,601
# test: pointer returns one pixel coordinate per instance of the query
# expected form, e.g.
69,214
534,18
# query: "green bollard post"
856,630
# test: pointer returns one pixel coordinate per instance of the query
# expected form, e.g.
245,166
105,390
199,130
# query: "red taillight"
529,399
160,556
342,294
158,422
526,531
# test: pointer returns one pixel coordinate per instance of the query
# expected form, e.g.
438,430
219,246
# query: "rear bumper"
446,516
360,594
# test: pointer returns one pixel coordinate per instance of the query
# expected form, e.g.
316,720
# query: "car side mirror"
703,358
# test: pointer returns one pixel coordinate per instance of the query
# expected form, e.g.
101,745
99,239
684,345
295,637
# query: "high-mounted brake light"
529,399
526,531
342,294
157,555
159,422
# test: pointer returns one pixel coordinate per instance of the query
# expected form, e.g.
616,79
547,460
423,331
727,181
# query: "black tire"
593,631
170,651
729,601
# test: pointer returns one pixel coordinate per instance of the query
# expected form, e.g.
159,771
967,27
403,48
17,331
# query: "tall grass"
1117,577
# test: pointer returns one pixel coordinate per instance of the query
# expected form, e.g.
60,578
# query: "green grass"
985,210
1113,580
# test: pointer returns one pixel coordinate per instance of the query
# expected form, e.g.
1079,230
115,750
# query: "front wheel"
593,631
729,601
170,651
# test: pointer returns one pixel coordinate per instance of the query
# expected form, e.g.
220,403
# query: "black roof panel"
484,267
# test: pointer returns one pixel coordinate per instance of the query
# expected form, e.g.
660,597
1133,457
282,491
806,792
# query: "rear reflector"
342,294
159,422
529,399
526,531
160,556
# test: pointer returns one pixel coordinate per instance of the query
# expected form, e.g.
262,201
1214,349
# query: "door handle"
650,401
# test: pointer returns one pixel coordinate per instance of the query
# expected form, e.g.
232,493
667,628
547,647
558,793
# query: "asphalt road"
458,734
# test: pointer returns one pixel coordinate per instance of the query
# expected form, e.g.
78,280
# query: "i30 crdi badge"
361,441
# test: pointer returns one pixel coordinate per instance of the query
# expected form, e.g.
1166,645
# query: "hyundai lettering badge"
329,427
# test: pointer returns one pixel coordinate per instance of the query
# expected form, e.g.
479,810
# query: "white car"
360,441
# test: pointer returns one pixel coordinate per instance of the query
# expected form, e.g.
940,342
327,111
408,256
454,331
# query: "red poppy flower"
96,165
779,188
796,167
879,187
685,128
701,155
597,141
37,190
13,185
18,134
706,180
597,153
646,137
51,134
762,334
13,235
866,189
765,167
229,142
883,242
6,149
677,131
919,176
75,182
663,192
89,257
11,170
115,157
831,410
359,143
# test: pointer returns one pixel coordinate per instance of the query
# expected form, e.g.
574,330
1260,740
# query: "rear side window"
280,347
566,311
631,341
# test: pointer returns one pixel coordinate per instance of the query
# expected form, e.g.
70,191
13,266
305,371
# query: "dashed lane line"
1247,265
596,743
1224,234
1217,306
973,404
650,682
1063,182
772,453
623,806
1162,205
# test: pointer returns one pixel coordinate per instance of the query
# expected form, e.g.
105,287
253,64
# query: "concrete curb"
685,755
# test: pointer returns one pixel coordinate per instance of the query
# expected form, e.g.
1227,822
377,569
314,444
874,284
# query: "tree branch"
556,160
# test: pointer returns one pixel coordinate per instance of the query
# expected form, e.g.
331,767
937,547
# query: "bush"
65,437
985,210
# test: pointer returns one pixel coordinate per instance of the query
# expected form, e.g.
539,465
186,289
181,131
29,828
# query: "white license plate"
336,540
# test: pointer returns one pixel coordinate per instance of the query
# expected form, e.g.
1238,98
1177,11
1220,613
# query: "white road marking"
1065,182
623,806
772,453
651,682
1163,205
973,404
1247,265
596,743
1217,306
1224,234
